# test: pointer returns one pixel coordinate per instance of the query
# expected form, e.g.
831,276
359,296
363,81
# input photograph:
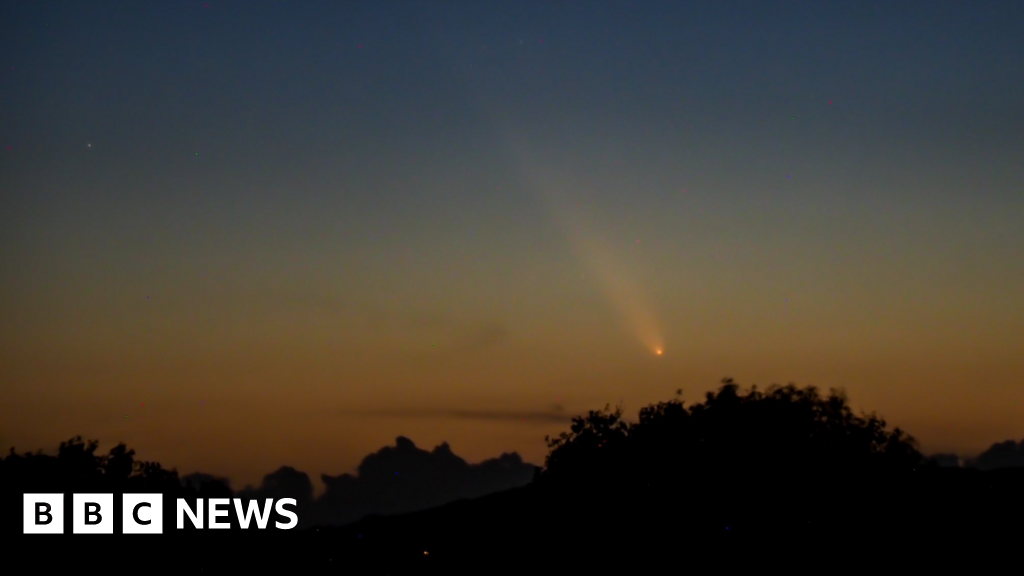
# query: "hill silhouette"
778,477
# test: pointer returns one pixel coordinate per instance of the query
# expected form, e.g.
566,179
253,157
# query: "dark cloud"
946,460
394,480
1008,454
404,478
286,482
208,486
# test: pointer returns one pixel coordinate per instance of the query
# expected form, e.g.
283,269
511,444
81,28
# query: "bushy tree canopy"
781,432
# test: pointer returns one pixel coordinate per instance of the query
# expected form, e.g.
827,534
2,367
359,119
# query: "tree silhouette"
785,453
788,466
784,430
77,468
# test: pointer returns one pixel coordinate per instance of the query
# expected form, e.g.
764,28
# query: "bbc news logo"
143,513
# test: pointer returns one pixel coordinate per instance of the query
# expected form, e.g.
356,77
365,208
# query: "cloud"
404,478
556,414
285,482
946,460
394,480
1008,454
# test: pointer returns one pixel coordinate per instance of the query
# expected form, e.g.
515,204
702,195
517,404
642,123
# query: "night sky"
238,235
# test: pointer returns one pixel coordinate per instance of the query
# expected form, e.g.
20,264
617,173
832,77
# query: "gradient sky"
237,235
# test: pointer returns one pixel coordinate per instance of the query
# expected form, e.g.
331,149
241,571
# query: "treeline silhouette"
394,480
789,472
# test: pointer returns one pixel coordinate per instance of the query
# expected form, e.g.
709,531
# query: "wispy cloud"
555,414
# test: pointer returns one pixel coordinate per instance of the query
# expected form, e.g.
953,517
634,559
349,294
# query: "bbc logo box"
144,513
93,514
44,514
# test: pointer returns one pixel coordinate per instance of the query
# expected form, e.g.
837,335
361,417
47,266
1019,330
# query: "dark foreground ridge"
919,521
782,478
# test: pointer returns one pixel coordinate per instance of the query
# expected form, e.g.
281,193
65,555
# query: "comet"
565,199
617,281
